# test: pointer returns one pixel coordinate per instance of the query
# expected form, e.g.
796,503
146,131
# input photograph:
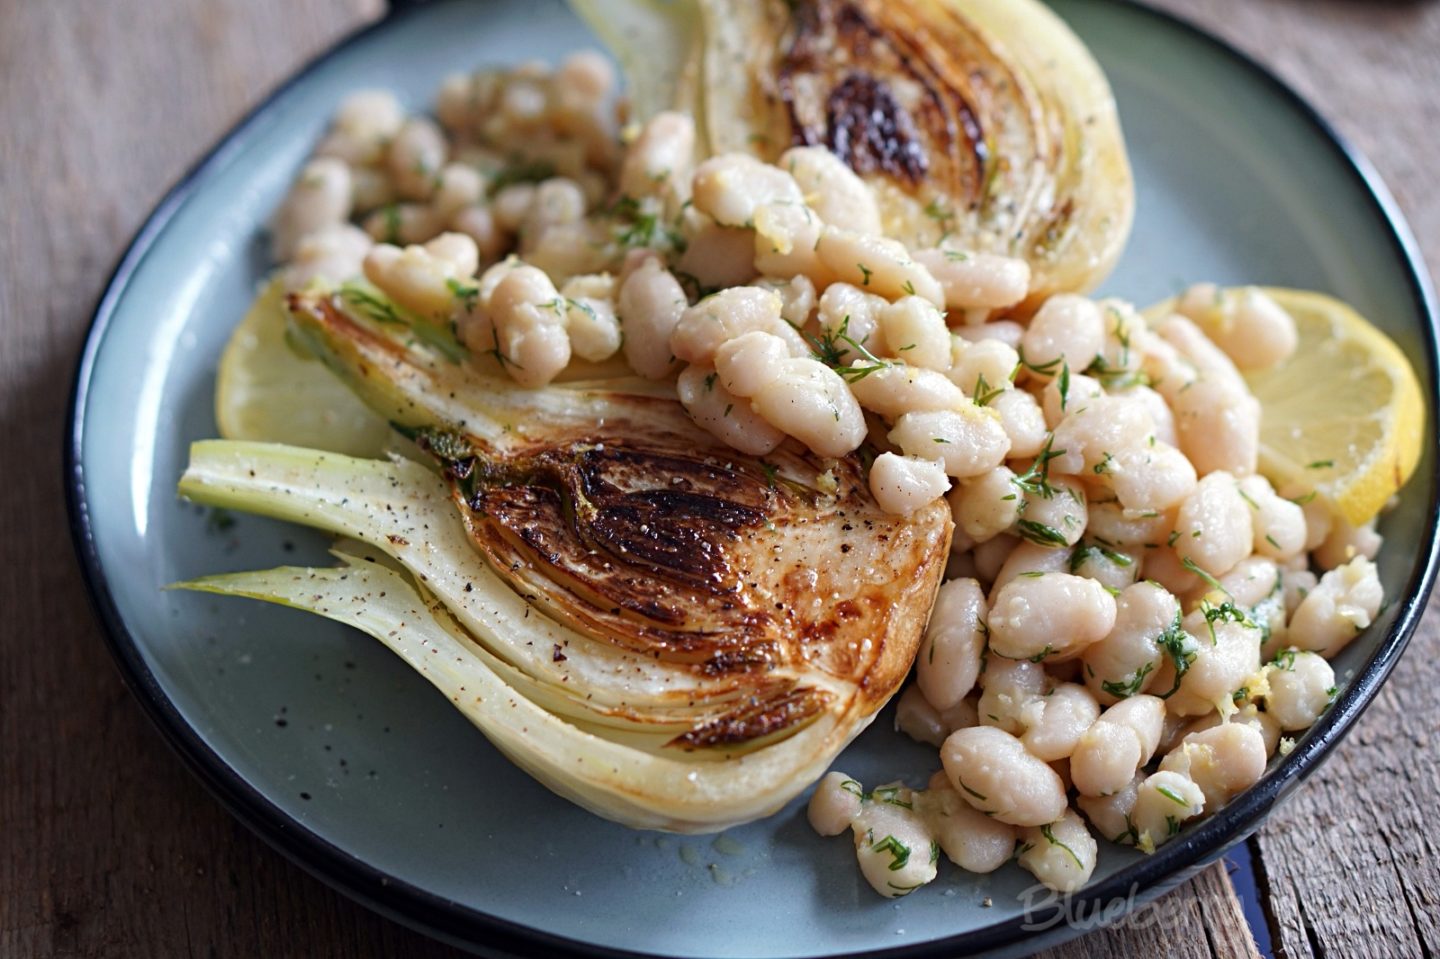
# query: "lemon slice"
266,391
1344,415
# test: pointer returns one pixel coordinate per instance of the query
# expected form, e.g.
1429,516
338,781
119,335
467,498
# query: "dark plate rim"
475,929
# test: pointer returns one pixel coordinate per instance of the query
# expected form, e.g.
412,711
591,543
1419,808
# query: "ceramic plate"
347,761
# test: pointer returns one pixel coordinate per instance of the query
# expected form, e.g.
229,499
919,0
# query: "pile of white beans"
1133,618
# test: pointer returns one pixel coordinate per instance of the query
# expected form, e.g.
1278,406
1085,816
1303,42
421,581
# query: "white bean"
718,256
1344,542
1053,614
1163,802
904,484
1061,855
969,441
811,402
1345,601
1214,525
915,332
1125,661
706,326
986,505
660,161
1063,717
415,157
948,662
832,189
1301,686
530,327
1222,761
1009,688
992,771
897,389
876,264
650,306
723,415
1068,330
319,198
977,281
731,186
834,804
970,839
1218,426
1022,420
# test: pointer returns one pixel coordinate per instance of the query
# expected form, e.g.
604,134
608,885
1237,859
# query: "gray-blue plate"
349,763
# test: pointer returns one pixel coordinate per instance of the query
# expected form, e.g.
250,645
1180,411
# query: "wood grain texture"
109,848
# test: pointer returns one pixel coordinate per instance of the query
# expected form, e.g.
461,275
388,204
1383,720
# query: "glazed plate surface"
338,754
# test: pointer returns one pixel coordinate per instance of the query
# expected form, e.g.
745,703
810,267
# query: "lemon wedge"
1344,415
266,391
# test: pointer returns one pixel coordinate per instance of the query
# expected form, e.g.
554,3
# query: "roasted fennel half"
985,124
665,631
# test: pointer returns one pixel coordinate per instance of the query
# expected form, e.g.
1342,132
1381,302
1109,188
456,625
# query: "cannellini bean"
1057,722
1152,476
1209,361
1055,614
650,305
459,186
810,402
660,161
1029,560
1222,761
1091,434
1123,323
1344,542
903,484
1055,517
1122,740
365,121
1008,688
1115,569
1214,525
1168,370
750,362
556,201
1345,601
1163,802
797,297
719,256
530,327
415,157
319,198
1125,661
948,662
1218,426
991,555
723,415
1002,331
511,205
786,235
970,839
1159,409
915,331
1022,420
897,389
893,843
369,188
1111,522
992,771
834,804
422,278
1079,392
1296,585
474,324
1110,815
1263,723
832,189
407,223
969,441
1248,325
334,253
1227,653
478,223
1248,583
731,186
1069,330
1061,855
593,328
706,326
986,505
1301,684
876,264
849,313
982,367
916,718
977,281
1278,524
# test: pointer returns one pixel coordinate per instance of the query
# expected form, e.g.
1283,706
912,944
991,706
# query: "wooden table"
109,848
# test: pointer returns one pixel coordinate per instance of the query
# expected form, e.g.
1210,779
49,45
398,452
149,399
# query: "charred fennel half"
985,123
689,635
